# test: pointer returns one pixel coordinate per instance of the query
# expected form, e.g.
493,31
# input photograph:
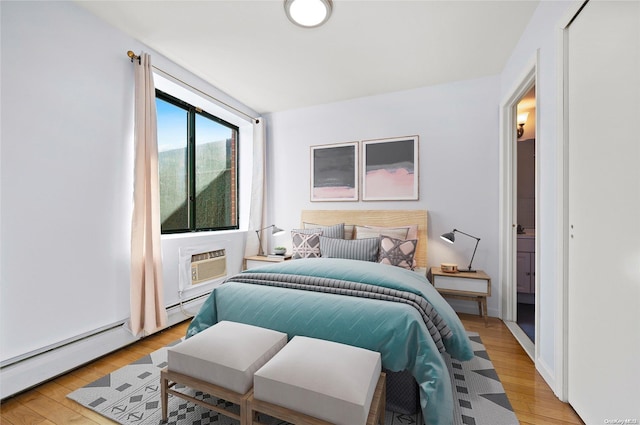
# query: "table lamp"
451,238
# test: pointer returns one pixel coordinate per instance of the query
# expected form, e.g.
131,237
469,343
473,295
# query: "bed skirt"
403,395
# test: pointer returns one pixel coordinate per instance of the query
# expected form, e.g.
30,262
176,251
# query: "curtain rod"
133,57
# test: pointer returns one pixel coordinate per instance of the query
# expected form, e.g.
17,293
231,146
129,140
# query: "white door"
604,212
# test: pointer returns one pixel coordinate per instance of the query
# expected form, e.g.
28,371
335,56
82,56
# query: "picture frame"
335,172
390,169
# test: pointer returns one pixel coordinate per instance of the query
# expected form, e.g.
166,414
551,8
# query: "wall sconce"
522,120
451,238
275,231
308,13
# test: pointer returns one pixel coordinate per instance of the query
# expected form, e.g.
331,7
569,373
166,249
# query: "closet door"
604,212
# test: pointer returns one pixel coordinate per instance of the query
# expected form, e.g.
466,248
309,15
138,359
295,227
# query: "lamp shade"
448,237
275,230
522,118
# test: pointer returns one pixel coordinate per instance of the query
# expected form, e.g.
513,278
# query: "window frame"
192,111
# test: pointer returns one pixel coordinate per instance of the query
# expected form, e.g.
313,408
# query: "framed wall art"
390,169
334,172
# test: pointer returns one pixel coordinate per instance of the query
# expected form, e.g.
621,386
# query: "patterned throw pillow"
396,252
354,249
305,245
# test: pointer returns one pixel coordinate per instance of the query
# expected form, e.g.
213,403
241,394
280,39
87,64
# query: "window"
198,167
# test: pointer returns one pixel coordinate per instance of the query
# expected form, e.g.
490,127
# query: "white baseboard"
32,371
523,339
529,347
547,374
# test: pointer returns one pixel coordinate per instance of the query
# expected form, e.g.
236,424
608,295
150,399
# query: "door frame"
508,206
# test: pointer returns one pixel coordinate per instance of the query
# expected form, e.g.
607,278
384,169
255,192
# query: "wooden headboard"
386,218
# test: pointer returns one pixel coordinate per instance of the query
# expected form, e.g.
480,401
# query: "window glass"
215,144
198,157
173,166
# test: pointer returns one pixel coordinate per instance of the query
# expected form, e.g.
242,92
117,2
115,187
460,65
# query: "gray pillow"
334,231
354,249
307,231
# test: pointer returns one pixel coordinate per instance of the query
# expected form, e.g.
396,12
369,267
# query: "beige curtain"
147,302
257,211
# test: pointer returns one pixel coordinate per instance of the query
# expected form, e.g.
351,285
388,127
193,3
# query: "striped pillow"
334,231
354,249
306,231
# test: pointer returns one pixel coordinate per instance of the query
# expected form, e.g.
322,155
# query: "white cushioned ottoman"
226,354
322,379
221,361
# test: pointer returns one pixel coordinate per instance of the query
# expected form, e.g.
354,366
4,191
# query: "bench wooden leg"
164,384
380,400
384,400
245,417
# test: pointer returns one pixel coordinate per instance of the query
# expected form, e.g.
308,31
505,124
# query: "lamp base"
468,271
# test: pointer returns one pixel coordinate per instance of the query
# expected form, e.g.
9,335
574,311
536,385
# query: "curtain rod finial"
133,56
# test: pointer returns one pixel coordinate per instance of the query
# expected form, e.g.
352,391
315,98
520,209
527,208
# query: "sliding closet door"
604,212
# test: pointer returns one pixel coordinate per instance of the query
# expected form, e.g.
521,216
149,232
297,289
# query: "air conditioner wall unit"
207,266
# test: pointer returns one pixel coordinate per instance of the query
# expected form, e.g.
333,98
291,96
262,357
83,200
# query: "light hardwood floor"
531,398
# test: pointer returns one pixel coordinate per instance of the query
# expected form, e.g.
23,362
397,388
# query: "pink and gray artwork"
334,172
390,170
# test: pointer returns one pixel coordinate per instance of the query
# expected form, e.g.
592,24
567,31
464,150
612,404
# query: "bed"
386,308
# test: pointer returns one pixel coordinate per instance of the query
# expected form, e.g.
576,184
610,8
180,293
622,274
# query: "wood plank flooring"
532,399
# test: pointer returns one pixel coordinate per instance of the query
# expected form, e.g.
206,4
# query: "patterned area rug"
131,395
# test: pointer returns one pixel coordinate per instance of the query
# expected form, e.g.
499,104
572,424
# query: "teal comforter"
395,330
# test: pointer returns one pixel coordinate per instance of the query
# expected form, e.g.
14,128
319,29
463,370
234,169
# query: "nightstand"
258,260
464,286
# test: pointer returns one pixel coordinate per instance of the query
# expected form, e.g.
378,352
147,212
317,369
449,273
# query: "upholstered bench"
316,382
219,361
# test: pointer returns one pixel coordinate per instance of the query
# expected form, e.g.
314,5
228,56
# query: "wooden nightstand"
257,260
465,286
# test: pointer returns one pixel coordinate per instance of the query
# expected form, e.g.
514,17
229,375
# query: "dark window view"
198,157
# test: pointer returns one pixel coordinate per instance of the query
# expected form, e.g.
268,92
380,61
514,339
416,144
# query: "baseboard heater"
21,373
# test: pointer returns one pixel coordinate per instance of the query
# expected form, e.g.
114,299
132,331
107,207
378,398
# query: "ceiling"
252,52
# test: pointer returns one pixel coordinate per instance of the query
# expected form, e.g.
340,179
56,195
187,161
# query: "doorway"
525,206
519,210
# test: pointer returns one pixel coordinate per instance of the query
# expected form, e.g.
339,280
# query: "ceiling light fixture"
308,13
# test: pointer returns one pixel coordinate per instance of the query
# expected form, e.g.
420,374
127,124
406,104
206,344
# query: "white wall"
66,182
458,128
66,155
541,35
